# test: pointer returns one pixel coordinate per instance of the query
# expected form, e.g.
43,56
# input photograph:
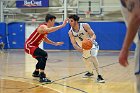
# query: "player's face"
72,22
52,22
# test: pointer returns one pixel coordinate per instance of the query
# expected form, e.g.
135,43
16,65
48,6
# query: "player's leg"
89,67
95,63
36,72
41,56
137,65
94,60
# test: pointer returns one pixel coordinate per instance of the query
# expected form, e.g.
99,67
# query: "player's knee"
44,59
41,59
45,55
87,60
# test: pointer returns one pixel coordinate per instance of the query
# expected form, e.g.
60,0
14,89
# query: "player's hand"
80,50
90,39
65,22
59,43
123,57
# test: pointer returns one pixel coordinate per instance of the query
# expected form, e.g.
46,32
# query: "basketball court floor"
66,69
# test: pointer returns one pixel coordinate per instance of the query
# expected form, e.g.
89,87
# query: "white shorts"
92,52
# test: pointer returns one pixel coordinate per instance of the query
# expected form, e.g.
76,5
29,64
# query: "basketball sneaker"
100,79
35,74
43,78
88,75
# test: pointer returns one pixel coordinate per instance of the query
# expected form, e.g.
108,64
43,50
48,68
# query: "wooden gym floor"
66,69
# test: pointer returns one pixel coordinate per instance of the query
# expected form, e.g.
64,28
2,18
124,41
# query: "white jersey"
79,36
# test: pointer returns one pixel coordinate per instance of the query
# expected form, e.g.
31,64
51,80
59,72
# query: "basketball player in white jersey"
131,12
77,33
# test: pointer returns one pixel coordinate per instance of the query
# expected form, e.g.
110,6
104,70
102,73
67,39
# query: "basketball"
87,44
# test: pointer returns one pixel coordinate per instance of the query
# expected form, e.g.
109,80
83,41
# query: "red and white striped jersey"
33,41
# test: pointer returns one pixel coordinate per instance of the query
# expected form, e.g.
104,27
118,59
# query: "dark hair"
49,17
74,17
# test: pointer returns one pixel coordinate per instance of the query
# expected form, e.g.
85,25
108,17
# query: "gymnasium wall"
3,35
60,35
110,35
16,35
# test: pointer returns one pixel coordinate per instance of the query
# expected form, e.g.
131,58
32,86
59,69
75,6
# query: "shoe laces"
46,79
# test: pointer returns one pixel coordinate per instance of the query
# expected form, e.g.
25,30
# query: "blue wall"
3,35
58,36
16,35
110,35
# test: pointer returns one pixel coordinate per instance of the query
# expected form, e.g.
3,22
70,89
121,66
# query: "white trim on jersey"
29,42
79,36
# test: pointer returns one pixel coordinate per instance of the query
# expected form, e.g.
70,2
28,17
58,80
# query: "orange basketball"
87,44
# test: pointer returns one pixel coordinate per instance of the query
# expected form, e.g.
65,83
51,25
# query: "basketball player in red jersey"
32,45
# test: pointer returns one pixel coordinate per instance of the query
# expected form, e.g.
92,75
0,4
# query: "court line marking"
37,85
34,85
86,71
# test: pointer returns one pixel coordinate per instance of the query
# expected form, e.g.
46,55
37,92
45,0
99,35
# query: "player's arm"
90,31
133,25
43,29
133,7
47,40
74,42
